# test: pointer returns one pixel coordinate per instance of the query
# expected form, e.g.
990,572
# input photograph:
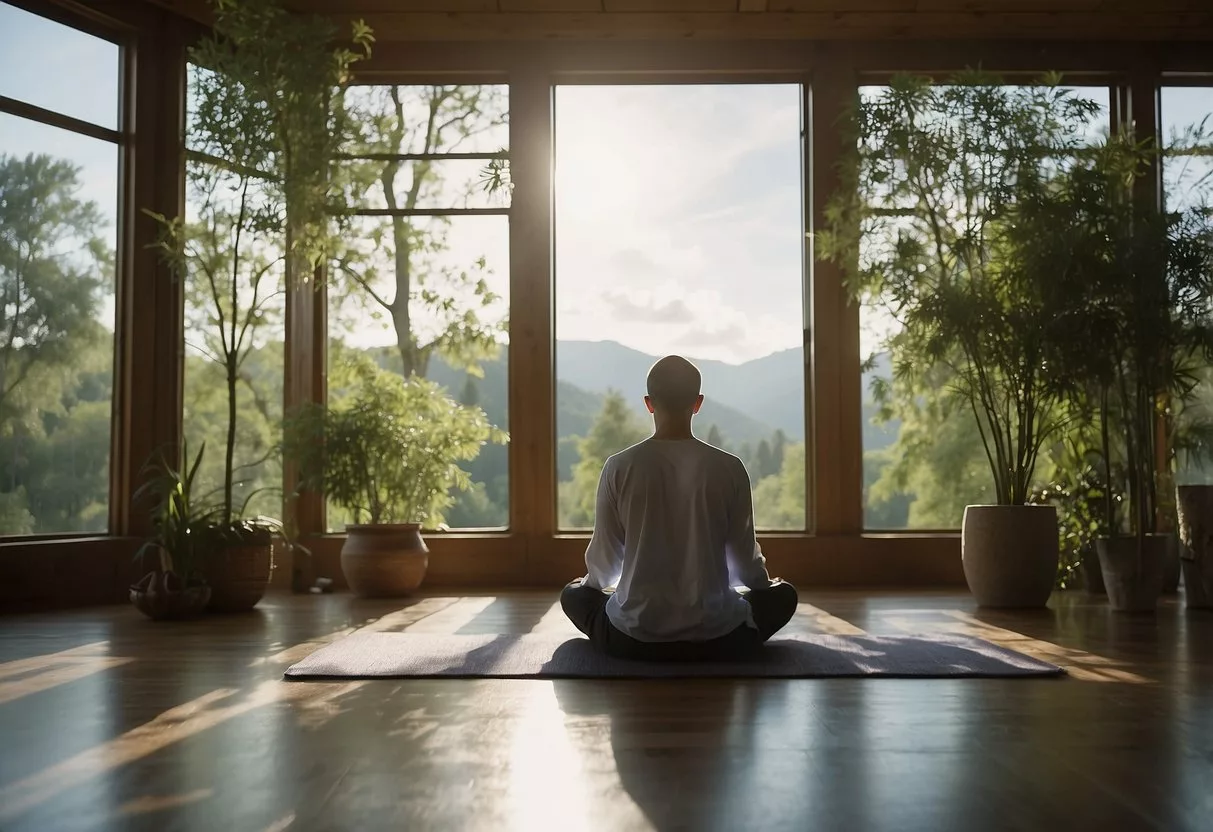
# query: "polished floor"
109,721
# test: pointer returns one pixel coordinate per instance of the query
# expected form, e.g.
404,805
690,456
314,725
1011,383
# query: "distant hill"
746,401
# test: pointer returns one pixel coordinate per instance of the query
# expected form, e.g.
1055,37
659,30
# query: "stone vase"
1134,578
1010,554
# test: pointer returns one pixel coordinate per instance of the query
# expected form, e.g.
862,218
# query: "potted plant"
175,587
1076,488
1192,437
387,453
263,128
921,228
1144,326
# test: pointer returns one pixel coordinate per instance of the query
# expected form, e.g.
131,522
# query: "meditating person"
674,538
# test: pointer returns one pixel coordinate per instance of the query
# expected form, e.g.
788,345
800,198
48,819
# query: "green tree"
55,355
715,437
53,268
926,231
264,122
434,307
779,499
764,461
779,444
616,427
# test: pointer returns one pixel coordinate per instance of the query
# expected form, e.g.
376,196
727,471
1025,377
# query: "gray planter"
1092,577
1010,554
1134,583
1194,505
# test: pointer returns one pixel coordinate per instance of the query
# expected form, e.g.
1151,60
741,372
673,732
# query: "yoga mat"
539,656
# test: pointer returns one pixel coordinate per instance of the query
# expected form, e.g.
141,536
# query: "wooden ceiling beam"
1187,26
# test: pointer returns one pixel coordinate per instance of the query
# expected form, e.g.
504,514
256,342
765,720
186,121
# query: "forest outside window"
420,284
1187,174
924,458
234,268
59,185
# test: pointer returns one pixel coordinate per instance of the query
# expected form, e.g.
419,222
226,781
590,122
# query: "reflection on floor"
112,722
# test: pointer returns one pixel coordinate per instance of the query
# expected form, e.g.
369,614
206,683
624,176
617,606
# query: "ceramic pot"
1194,506
1010,554
384,561
1134,579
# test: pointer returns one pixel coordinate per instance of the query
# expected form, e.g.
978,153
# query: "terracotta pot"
1194,505
1134,583
384,561
240,574
1010,554
162,596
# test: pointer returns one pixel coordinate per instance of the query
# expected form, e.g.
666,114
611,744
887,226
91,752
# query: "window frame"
121,35
836,552
315,523
1114,84
802,80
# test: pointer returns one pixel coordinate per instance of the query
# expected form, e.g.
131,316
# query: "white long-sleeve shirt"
674,534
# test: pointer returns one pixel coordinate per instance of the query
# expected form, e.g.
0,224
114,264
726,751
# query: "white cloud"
679,218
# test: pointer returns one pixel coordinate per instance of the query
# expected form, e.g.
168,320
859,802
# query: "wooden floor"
108,721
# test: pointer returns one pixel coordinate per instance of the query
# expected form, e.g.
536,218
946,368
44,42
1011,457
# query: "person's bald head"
674,385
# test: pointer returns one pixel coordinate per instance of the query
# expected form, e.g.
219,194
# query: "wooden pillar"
532,378
834,406
149,326
1144,99
304,377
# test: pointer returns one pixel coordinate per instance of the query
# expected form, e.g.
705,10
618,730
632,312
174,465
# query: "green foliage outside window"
55,353
388,451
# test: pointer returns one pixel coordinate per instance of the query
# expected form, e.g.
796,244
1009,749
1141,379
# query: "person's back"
683,507
674,534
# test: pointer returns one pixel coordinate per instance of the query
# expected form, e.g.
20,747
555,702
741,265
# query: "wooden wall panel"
827,561
150,327
47,574
893,20
532,330
835,400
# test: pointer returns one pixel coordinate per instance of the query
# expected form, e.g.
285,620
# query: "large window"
1187,173
421,284
234,304
923,455
58,238
679,229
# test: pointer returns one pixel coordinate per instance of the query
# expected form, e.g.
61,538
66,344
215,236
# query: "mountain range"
747,402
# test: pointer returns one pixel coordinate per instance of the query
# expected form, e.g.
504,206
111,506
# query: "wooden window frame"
149,326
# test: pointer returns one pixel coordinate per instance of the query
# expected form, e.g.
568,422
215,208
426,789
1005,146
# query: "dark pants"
772,607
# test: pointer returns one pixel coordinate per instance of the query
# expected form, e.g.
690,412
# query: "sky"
59,68
678,208
679,218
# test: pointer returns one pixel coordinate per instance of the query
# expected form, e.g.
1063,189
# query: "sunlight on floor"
151,803
1079,664
821,621
549,771
56,670
398,620
172,726
546,786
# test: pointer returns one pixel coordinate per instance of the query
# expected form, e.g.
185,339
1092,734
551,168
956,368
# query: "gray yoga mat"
539,656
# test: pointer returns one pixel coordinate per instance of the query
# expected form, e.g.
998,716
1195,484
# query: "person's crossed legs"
771,606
